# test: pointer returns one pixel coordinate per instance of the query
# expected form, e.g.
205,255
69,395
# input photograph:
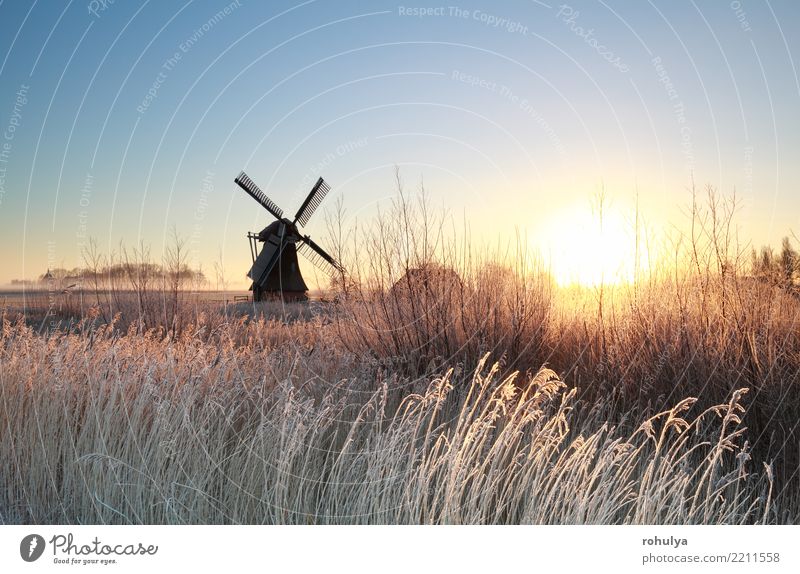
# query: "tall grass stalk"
103,429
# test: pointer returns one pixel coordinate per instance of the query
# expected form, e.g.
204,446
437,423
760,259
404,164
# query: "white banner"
414,549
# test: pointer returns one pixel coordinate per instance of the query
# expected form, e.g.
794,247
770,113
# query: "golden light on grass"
441,385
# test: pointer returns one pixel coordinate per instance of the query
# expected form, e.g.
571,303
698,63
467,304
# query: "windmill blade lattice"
315,197
315,259
255,192
317,256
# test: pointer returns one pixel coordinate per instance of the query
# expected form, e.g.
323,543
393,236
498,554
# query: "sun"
582,248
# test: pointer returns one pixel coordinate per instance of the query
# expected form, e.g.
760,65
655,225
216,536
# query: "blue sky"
124,120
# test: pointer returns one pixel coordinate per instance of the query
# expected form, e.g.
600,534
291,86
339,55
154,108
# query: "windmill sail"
255,192
315,253
316,259
310,205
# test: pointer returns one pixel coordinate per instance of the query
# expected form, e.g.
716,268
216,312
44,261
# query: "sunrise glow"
583,248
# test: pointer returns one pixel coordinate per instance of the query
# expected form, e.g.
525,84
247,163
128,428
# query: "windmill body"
279,276
275,271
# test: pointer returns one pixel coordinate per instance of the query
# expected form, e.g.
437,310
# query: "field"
435,384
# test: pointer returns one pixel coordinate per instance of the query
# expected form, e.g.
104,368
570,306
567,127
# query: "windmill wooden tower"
275,271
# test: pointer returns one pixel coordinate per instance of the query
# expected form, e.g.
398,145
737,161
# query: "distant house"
61,280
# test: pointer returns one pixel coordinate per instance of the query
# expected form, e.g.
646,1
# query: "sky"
128,121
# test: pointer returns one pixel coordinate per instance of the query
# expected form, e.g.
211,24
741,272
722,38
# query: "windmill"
275,270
